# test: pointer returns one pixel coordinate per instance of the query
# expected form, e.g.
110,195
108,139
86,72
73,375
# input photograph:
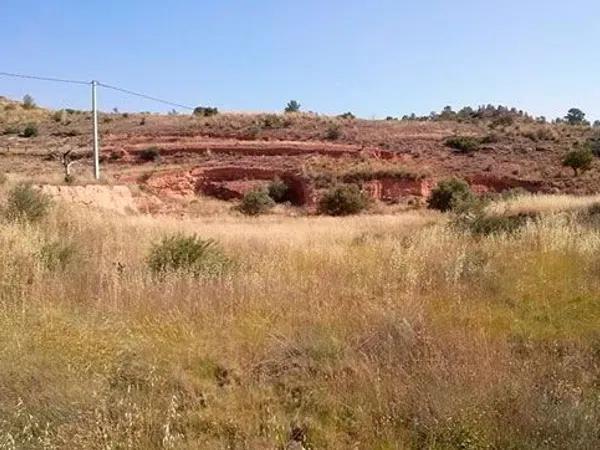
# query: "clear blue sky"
374,58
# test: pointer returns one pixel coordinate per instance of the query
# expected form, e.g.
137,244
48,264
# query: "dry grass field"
366,332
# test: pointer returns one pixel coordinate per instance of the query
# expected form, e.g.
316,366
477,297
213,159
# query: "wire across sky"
98,83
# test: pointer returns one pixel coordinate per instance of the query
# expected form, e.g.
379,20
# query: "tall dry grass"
370,332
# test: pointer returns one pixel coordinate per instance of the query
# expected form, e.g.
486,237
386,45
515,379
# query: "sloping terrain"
228,154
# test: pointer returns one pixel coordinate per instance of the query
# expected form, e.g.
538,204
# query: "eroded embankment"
129,148
227,168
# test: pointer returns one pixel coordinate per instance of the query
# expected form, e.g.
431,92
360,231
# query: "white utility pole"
95,120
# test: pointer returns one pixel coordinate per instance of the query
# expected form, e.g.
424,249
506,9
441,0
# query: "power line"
33,77
107,86
148,97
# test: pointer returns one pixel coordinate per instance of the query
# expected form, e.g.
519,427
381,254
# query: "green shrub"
333,133
463,144
278,190
149,154
292,107
343,200
347,116
256,202
205,111
26,203
450,195
579,160
56,255
187,255
30,130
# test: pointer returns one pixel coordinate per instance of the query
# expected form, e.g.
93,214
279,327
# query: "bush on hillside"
30,130
333,132
450,195
579,160
292,107
256,202
343,200
347,116
463,144
278,190
205,111
187,255
26,203
149,154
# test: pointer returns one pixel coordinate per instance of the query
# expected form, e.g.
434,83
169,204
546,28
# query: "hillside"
179,156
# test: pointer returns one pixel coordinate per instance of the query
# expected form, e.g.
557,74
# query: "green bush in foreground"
188,255
255,203
343,200
450,195
26,203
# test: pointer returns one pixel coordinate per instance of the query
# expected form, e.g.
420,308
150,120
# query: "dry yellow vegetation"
366,332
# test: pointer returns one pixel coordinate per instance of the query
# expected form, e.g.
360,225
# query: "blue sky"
374,58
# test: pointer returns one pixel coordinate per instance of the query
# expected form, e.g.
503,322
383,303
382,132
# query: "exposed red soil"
228,155
394,190
128,149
